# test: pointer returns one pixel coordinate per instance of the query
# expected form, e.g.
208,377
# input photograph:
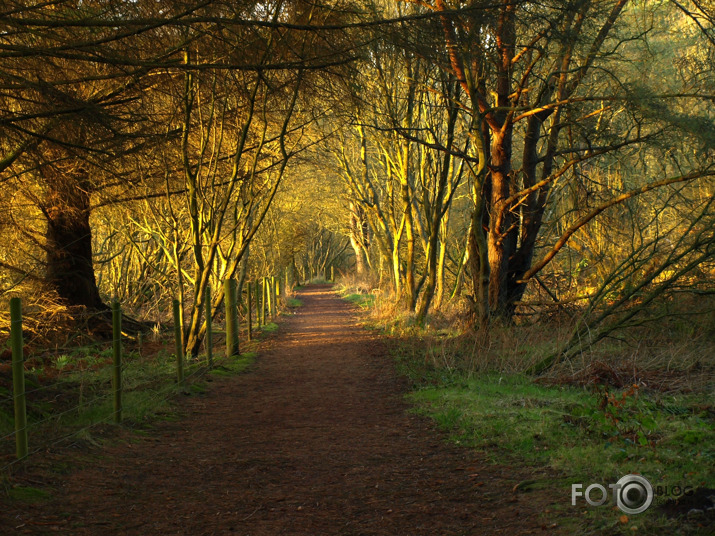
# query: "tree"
397,181
537,80
71,115
77,76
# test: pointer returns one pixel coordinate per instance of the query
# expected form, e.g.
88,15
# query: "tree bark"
359,233
70,270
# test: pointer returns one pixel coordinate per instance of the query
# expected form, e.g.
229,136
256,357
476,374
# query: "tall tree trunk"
439,296
438,213
408,219
396,268
410,264
479,263
242,274
359,232
70,270
431,284
500,240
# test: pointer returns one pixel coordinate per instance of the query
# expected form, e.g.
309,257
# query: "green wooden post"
269,299
249,335
264,295
274,297
231,317
209,328
281,289
117,360
332,273
178,328
18,378
258,302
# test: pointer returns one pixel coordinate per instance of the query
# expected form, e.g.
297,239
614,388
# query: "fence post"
269,300
231,317
18,378
258,302
281,292
117,359
264,293
178,328
274,297
248,312
209,328
332,273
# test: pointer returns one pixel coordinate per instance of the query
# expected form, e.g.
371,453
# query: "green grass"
294,302
81,396
364,301
27,494
568,432
269,327
147,385
235,365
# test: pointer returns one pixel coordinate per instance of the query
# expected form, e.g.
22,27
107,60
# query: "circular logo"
634,494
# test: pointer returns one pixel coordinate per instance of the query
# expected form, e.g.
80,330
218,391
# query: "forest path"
314,440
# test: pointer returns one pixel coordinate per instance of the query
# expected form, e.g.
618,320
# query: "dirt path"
315,440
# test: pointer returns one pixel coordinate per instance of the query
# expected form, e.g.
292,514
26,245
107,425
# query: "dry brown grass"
654,359
672,354
670,350
46,321
504,349
48,324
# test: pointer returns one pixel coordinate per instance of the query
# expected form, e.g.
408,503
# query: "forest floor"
315,439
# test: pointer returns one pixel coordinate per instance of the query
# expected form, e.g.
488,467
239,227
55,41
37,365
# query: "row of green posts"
261,297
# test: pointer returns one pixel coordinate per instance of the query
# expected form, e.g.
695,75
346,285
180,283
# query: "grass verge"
235,365
577,435
70,398
269,327
294,303
364,301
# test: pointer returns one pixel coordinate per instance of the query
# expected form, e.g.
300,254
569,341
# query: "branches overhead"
475,145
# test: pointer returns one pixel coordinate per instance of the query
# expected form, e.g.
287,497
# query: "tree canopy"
488,154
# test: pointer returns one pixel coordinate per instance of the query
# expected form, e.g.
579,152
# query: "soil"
316,439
